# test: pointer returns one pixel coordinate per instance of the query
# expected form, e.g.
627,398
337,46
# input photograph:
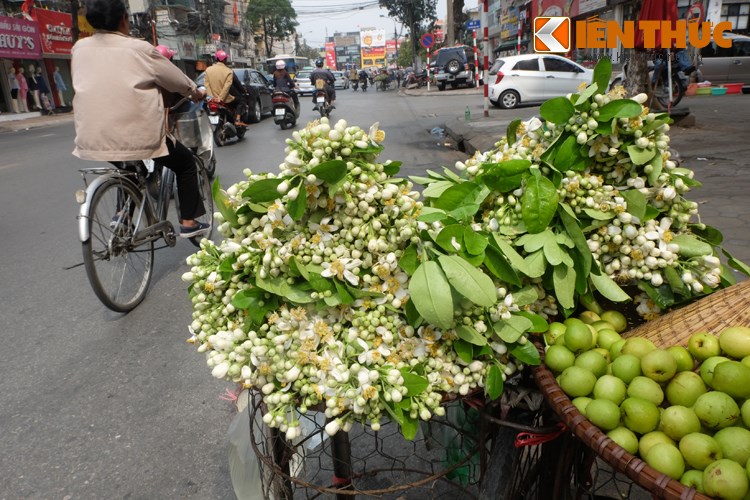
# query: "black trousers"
180,161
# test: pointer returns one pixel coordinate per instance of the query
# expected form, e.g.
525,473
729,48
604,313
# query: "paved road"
95,404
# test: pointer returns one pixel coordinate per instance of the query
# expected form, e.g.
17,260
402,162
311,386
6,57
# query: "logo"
551,34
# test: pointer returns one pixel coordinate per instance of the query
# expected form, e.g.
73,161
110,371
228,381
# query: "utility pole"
75,31
450,28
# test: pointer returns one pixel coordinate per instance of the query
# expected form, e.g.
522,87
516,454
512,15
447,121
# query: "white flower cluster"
627,247
310,310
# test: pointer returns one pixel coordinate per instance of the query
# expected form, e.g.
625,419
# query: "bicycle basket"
320,84
187,127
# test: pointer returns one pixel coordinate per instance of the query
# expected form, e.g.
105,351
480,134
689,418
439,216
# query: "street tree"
305,50
273,20
418,15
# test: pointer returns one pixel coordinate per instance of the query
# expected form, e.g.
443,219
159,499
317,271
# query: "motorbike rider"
222,84
119,82
363,78
319,73
283,81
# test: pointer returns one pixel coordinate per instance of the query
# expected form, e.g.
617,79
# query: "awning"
509,45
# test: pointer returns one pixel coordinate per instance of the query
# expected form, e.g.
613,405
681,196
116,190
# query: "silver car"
732,65
303,82
342,82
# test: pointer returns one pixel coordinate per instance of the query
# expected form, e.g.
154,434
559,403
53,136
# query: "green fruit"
610,387
685,388
708,366
682,357
558,358
554,331
725,479
638,346
616,319
607,337
626,367
734,443
735,341
703,345
745,413
658,365
645,388
604,414
650,439
578,337
581,403
693,479
639,415
733,378
700,450
678,421
625,438
667,459
593,362
615,349
603,325
589,317
716,410
577,381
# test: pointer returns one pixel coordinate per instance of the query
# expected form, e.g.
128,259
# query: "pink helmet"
165,51
221,55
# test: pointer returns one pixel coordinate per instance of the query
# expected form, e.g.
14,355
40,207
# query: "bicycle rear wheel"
119,272
204,189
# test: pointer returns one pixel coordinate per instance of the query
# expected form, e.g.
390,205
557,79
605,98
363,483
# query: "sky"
318,17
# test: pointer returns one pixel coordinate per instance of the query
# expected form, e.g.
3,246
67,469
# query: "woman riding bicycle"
119,85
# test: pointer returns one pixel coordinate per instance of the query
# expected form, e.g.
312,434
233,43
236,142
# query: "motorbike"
659,77
190,125
355,85
323,102
221,117
416,80
285,113
363,83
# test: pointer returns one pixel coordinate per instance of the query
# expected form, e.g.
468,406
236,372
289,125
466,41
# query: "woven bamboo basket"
728,307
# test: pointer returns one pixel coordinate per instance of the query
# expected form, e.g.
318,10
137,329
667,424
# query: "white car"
534,78
342,82
303,82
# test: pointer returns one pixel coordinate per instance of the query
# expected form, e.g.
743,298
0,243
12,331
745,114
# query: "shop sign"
19,39
55,31
187,48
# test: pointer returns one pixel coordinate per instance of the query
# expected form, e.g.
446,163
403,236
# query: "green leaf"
474,242
662,295
640,156
245,299
605,128
412,316
415,385
396,413
474,260
568,154
464,212
263,190
409,259
469,281
563,239
505,176
435,189
392,168
636,202
608,288
675,281
457,195
300,268
602,74
535,264
409,427
657,165
576,234
510,253
494,383
533,242
297,206
512,329
651,213
500,267
431,214
564,279
525,296
223,204
538,324
464,350
598,214
279,286
620,108
470,335
330,171
690,246
557,110
736,264
448,234
512,130
431,294
343,293
319,283
539,202
556,255
549,153
586,94
707,233
526,353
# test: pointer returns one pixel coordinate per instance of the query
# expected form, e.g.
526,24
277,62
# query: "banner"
55,31
19,39
331,55
390,48
373,47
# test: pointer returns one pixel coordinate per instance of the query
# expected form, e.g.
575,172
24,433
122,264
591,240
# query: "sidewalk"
10,122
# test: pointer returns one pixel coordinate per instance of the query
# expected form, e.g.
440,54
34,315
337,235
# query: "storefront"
515,29
56,33
20,49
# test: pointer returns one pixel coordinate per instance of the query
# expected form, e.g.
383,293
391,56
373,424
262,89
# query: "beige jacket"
119,110
219,81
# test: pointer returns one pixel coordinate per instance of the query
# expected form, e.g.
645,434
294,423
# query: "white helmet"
280,65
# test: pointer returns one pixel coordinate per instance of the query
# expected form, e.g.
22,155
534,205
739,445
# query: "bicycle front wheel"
204,189
118,271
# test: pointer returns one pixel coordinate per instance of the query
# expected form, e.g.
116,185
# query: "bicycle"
123,214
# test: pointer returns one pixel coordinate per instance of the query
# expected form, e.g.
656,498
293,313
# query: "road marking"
9,165
47,135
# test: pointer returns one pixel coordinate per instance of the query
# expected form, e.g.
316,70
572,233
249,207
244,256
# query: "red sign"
56,31
331,55
427,40
19,39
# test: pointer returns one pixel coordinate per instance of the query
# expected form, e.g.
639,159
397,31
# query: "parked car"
303,82
454,66
534,78
342,82
257,87
731,65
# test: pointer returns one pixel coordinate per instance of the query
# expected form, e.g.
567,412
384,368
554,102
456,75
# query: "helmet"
165,51
221,55
319,63
280,65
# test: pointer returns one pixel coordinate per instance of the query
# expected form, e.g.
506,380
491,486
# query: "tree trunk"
458,21
636,78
